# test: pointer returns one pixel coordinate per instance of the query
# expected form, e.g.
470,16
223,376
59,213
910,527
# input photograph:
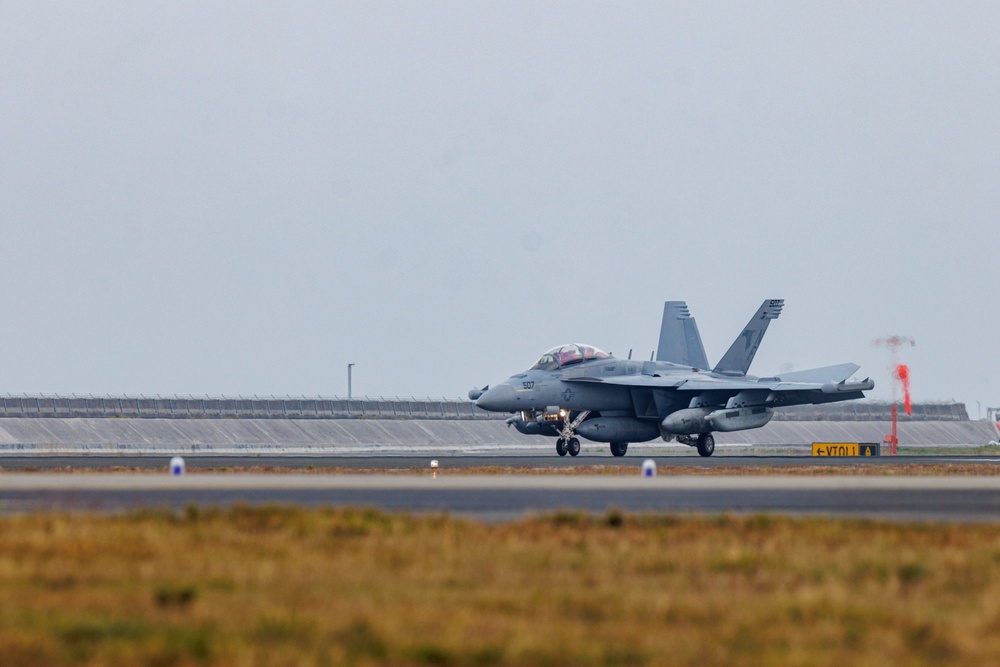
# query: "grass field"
279,586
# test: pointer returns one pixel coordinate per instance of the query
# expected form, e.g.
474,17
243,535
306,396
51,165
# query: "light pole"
349,367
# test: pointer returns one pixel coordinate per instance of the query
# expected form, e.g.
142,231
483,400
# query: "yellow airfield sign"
846,449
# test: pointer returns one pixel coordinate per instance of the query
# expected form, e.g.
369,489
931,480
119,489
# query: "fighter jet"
578,390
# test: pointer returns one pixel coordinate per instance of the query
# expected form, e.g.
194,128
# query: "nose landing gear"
571,447
568,443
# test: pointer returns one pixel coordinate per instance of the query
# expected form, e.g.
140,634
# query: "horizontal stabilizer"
824,374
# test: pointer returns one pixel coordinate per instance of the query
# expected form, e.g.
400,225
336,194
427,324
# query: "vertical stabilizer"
680,342
741,353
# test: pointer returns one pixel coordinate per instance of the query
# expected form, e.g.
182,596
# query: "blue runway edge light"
177,466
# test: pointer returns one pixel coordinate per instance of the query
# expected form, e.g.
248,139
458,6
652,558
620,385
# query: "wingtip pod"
844,386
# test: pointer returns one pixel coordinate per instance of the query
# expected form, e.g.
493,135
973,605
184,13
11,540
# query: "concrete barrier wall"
19,435
395,408
252,408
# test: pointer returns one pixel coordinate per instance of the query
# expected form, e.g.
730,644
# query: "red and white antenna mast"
900,375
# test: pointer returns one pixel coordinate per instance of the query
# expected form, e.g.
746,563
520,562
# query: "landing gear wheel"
561,447
706,444
619,448
573,446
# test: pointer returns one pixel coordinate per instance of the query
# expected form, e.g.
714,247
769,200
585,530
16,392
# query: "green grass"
281,586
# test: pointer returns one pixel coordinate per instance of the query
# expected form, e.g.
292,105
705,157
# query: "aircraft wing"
817,385
643,381
680,382
825,374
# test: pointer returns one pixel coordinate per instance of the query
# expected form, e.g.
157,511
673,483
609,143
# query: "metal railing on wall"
873,411
304,407
272,407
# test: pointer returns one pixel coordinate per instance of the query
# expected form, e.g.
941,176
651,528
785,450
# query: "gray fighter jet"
579,390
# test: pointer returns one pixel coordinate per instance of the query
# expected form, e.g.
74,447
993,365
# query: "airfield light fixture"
177,467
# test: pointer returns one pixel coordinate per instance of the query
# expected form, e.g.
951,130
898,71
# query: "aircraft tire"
619,448
561,447
573,447
706,444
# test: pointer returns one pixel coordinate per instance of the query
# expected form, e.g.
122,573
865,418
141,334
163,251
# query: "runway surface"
457,462
503,497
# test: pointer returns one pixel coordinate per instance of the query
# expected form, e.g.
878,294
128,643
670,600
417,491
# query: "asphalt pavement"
507,496
458,462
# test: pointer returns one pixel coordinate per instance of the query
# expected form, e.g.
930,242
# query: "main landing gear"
706,444
619,448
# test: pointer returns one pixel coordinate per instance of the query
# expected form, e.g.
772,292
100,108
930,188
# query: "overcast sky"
242,198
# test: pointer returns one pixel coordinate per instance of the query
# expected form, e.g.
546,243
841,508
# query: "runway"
504,497
458,462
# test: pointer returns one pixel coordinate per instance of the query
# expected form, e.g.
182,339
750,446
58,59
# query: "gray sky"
241,198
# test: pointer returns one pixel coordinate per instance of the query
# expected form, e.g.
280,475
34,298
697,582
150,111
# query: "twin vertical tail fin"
740,355
680,342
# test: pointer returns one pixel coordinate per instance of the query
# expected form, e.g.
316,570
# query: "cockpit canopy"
564,355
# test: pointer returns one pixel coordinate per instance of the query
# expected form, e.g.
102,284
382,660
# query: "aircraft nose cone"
500,398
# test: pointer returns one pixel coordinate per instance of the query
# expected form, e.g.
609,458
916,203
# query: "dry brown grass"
275,586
